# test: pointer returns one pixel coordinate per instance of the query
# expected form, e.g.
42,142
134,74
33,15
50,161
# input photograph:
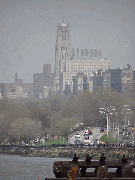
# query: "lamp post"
116,117
125,119
128,112
107,121
105,110
118,132
126,109
112,119
116,114
101,111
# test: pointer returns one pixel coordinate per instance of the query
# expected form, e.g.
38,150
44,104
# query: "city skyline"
28,33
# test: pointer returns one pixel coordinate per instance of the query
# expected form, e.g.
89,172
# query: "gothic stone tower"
62,54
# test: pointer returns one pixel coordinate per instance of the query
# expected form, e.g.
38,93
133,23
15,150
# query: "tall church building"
62,54
69,62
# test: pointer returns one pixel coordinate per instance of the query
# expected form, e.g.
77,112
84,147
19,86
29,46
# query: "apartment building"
106,79
115,79
82,66
18,92
127,78
80,83
39,81
98,79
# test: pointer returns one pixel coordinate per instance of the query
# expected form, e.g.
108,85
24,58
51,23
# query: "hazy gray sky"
28,30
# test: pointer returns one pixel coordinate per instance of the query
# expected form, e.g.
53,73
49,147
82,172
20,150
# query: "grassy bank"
109,139
57,141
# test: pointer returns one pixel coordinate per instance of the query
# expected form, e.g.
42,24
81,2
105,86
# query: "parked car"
125,127
126,136
120,131
86,131
89,131
128,132
86,140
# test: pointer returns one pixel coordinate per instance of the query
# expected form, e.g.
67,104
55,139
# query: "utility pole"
118,133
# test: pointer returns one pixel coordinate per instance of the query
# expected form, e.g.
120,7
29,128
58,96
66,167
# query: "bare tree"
25,129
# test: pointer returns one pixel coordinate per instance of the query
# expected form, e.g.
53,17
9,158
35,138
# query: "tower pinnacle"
63,18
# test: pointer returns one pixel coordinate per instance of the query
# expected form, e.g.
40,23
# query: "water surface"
13,167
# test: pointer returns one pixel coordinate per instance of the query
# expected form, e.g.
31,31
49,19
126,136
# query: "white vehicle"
86,140
86,131
77,135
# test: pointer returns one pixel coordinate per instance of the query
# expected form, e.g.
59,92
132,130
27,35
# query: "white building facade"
69,62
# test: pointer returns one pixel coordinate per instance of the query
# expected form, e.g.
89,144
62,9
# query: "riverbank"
63,152
81,153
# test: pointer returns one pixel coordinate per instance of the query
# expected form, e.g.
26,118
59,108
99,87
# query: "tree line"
25,120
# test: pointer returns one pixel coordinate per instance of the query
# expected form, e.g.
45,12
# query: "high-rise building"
115,79
62,53
98,80
80,83
127,78
106,79
43,82
39,81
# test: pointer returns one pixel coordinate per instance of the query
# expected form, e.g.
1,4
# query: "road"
95,135
129,138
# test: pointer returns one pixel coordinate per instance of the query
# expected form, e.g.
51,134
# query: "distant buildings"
116,79
76,70
18,89
37,89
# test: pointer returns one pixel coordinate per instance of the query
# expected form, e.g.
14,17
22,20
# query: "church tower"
62,53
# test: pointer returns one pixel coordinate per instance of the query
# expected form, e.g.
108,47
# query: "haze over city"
28,32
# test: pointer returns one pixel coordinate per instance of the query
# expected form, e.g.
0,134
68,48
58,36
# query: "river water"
13,167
